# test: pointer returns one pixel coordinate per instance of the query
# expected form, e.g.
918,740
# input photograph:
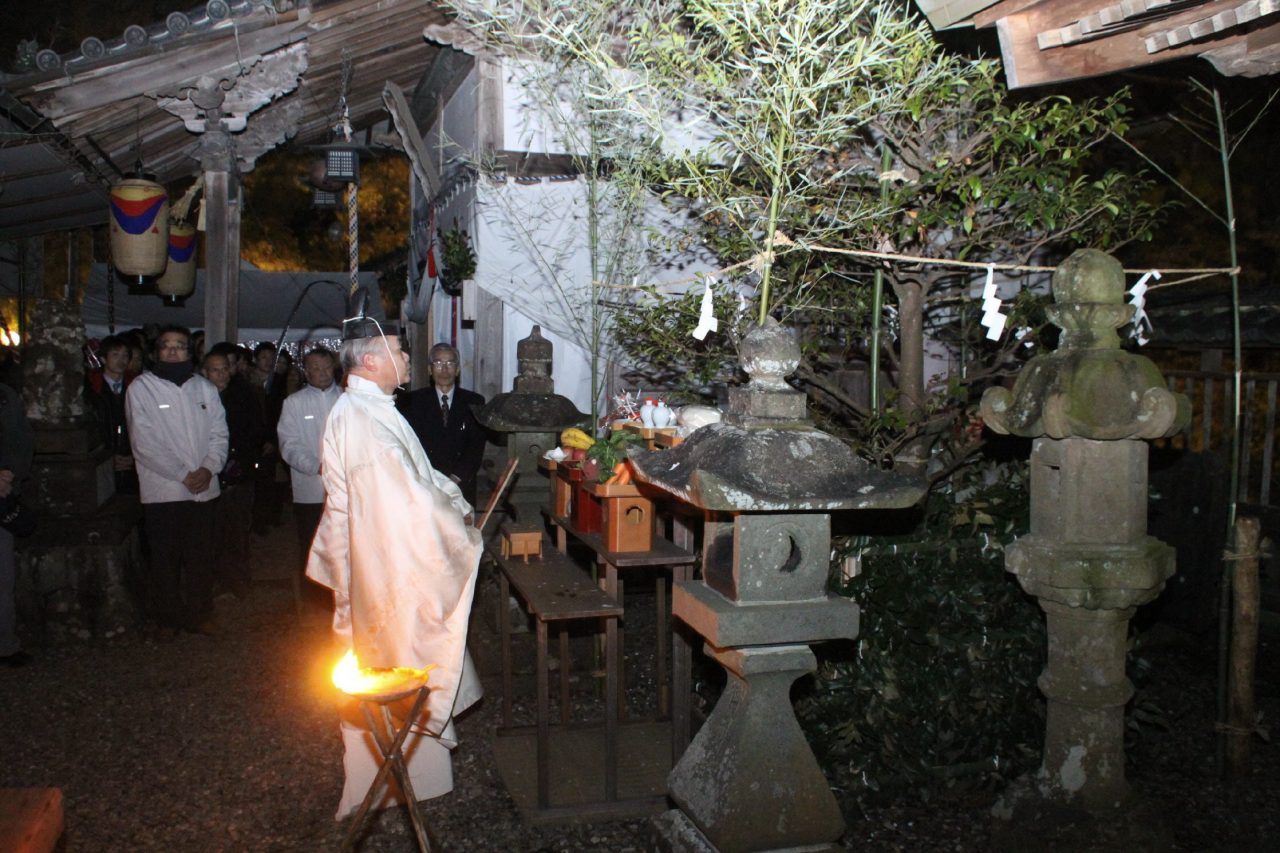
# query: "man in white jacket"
178,433
300,430
396,546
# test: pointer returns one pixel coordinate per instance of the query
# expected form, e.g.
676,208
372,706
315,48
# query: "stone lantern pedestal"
1087,558
767,482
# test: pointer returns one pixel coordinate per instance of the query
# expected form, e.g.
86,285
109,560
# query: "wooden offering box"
561,486
628,517
521,540
584,507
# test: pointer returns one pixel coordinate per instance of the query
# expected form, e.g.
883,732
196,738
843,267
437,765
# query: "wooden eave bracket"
1106,19
1212,25
414,147
1074,54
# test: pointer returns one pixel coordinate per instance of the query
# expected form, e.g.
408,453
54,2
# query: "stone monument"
1087,558
767,481
532,416
72,571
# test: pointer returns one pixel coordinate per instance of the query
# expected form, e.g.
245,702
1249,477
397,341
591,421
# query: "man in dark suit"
443,417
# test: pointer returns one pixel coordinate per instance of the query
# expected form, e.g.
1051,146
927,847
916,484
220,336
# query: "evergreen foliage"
939,691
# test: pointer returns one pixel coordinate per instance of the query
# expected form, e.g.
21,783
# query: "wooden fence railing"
1211,394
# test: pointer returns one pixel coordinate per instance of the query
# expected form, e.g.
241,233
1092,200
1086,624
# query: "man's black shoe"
16,659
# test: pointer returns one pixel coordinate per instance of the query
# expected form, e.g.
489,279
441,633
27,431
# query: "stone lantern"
768,482
532,416
72,572
1087,559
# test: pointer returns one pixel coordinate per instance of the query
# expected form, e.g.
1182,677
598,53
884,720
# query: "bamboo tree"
1225,148
600,142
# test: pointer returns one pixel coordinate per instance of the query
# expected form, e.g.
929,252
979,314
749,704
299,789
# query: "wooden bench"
30,819
554,589
674,697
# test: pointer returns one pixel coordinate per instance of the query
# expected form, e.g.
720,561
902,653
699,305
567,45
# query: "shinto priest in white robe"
394,547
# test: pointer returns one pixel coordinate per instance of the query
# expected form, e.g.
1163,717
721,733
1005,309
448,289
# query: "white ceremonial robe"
393,546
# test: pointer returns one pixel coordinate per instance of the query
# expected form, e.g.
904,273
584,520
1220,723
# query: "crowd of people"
382,482
214,442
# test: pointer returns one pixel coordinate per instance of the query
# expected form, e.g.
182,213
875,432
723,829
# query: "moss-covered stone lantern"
1087,558
532,416
767,481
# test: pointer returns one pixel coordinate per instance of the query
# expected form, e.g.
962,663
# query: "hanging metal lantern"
139,227
179,278
336,164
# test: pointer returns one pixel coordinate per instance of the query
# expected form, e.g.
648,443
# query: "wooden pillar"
1244,648
488,354
222,255
489,324
420,354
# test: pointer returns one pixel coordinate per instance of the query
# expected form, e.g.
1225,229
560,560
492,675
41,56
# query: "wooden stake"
497,493
1244,648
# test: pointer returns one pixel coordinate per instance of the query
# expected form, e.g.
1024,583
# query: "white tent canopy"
266,298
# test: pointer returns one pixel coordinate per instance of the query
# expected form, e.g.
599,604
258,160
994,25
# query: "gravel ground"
231,744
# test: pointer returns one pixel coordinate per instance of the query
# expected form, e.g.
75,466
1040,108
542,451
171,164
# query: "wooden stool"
520,540
390,739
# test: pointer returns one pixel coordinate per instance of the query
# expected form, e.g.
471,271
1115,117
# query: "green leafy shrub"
939,691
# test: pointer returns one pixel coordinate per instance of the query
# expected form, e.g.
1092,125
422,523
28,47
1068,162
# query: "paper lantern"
139,227
179,278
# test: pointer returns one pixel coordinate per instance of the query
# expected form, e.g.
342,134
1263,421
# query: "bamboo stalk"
1233,489
1244,648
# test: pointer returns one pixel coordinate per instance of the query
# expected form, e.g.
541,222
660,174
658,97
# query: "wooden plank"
1189,390
419,157
1206,415
488,349
1268,445
31,819
1027,65
555,588
944,14
1246,446
988,16
489,122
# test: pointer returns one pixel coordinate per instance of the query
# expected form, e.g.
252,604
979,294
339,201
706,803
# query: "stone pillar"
1087,559
72,572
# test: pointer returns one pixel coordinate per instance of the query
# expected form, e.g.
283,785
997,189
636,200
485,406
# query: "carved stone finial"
534,356
1088,289
1089,387
769,354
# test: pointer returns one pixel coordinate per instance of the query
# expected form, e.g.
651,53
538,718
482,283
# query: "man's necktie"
444,408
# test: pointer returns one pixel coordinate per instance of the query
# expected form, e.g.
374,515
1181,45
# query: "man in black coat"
443,417
246,435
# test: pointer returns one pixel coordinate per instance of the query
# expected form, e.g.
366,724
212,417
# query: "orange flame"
349,677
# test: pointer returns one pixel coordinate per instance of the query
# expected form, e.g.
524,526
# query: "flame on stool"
352,679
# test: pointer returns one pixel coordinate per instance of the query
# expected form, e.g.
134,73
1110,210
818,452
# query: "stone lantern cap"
728,468
1088,387
521,412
